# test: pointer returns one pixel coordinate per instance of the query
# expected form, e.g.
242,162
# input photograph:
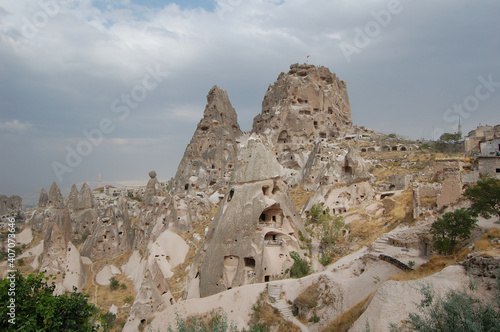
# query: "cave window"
315,123
265,190
250,262
186,186
330,110
231,194
266,278
498,170
273,218
394,148
263,217
204,128
348,170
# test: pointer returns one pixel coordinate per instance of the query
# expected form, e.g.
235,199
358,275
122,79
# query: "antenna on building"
459,127
100,185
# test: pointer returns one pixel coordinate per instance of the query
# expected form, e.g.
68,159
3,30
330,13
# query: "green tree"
451,228
37,309
457,311
450,137
485,195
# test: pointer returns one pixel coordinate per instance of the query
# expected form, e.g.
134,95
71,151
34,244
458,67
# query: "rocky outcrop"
150,189
43,200
254,231
303,105
109,234
84,199
56,199
10,205
210,156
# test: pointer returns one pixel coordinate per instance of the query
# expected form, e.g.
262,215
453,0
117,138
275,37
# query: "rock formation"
210,156
254,231
56,199
150,189
84,199
10,205
307,103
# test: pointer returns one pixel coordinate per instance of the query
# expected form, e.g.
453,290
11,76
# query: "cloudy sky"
117,87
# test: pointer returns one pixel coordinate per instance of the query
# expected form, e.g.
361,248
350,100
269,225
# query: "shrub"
457,311
453,226
113,283
37,309
300,267
485,196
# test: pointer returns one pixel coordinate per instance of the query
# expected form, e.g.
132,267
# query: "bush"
300,267
453,226
457,311
325,259
218,323
37,309
113,284
485,196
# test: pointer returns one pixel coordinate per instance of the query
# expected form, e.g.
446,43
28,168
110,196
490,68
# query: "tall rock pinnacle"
307,103
210,156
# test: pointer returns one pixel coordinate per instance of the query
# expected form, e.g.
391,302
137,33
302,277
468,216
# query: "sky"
118,87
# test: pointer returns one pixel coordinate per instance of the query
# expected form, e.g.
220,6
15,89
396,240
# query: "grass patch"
300,196
344,322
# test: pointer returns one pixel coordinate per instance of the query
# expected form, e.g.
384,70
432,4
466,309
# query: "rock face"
210,156
307,103
254,231
83,199
150,189
10,205
56,199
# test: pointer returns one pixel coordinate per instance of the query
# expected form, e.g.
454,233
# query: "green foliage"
258,327
37,309
128,300
411,264
108,321
314,319
325,259
450,137
457,311
451,228
392,135
113,284
485,196
300,267
218,323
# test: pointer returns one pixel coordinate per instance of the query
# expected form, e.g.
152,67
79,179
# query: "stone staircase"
380,244
274,293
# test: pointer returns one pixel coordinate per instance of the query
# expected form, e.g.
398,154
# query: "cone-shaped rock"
210,156
55,197
254,231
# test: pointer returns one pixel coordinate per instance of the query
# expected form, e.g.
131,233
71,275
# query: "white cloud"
15,126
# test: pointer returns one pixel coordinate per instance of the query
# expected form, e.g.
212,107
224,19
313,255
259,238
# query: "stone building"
489,166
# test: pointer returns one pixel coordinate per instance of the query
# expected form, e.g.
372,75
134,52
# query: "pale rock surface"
106,273
254,231
395,299
306,103
210,156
